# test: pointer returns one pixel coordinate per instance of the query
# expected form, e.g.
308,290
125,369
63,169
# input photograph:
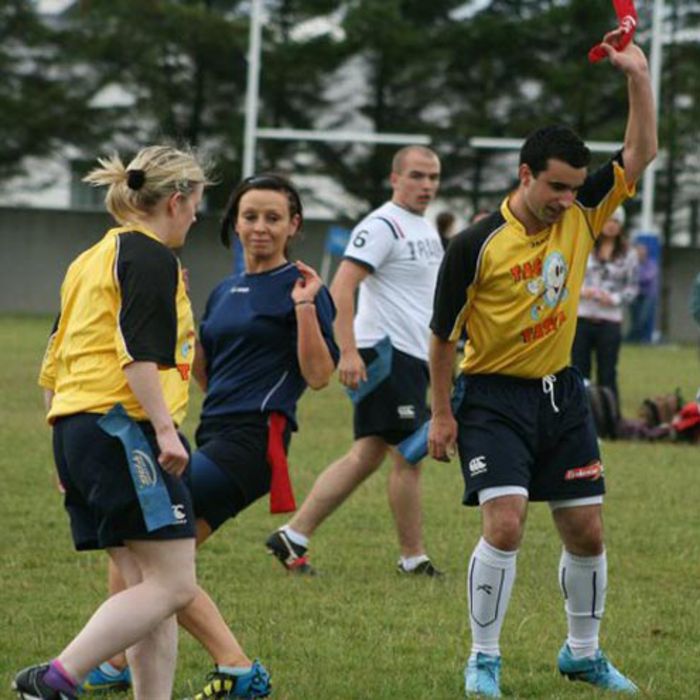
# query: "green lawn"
359,631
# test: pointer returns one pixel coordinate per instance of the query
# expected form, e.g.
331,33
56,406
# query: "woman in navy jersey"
266,334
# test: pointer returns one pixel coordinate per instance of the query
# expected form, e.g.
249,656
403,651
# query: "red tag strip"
281,494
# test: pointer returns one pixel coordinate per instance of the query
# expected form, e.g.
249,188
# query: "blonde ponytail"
155,173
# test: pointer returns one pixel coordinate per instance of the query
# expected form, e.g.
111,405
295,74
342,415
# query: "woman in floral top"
610,285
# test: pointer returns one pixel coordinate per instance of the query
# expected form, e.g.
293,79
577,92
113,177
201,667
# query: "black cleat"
425,568
29,685
292,556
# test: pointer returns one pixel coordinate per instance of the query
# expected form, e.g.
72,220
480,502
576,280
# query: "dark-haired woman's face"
612,228
265,225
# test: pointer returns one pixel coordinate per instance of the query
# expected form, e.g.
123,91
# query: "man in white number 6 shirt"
393,258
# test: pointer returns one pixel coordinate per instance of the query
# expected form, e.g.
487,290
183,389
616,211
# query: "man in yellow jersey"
524,428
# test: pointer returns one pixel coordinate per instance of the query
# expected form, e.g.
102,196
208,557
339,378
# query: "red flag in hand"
627,23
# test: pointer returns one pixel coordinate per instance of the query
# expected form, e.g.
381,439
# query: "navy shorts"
398,406
229,470
511,434
100,496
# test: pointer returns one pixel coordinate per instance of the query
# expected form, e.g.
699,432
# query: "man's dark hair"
559,142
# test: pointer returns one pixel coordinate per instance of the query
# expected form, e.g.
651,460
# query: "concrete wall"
37,245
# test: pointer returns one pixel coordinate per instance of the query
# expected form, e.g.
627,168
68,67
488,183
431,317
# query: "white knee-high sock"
489,585
583,581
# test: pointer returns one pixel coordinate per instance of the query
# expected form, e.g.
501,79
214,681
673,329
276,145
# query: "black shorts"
511,435
398,406
100,496
229,470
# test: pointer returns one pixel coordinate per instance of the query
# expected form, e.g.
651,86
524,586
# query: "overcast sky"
51,5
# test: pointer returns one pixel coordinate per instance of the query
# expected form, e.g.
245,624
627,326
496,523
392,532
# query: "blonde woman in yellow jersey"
125,321
524,428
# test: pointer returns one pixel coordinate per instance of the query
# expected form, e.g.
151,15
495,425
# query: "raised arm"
641,141
315,360
351,368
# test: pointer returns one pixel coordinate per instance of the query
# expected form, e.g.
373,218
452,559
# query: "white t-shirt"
403,252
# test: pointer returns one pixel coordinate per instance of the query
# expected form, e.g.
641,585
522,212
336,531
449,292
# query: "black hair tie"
135,179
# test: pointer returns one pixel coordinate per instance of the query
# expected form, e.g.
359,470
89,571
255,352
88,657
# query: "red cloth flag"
281,494
627,22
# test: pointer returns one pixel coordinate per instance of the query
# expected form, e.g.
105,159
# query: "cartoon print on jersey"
184,367
187,344
550,287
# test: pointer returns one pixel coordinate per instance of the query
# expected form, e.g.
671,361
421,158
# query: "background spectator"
643,308
445,223
610,283
695,300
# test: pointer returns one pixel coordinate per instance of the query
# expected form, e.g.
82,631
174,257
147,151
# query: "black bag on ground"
605,412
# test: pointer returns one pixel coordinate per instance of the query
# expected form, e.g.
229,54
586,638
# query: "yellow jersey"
516,295
123,300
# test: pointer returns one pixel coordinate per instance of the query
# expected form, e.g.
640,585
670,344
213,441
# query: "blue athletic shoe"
482,676
101,679
596,670
226,686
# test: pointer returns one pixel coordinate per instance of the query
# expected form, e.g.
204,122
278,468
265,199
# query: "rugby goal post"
252,132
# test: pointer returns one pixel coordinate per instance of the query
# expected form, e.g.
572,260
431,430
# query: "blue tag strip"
145,472
377,371
415,446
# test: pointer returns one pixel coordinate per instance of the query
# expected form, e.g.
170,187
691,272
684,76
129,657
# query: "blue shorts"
100,497
229,470
398,406
514,433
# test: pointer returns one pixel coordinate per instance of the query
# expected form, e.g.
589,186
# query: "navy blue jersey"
249,335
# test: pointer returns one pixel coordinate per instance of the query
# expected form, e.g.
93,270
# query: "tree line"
178,68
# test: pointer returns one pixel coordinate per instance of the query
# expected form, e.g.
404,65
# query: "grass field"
359,631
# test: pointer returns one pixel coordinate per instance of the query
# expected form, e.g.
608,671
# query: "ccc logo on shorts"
145,469
477,465
407,412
